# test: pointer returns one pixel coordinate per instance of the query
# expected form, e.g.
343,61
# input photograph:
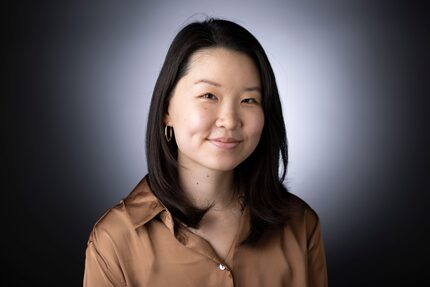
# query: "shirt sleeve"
99,268
317,268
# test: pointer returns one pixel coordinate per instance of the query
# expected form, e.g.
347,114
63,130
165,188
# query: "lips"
225,142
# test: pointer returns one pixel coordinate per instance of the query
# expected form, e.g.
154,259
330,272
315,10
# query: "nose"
229,117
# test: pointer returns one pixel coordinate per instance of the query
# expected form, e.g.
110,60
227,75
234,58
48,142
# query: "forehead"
222,64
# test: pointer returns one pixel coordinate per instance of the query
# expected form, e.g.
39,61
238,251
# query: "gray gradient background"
351,79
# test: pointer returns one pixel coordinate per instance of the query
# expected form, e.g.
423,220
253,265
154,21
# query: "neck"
205,187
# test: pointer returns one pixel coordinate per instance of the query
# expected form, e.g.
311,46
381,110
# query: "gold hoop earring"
168,137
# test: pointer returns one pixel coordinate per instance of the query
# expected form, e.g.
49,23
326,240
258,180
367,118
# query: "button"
222,267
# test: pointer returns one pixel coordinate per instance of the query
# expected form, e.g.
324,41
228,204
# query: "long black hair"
258,177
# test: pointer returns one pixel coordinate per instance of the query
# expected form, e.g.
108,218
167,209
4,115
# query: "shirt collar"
142,205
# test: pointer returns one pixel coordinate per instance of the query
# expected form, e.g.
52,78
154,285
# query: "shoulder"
113,221
115,237
303,218
121,221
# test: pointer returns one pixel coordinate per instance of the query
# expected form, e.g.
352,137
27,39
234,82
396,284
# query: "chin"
223,167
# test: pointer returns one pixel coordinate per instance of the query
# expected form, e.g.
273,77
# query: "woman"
212,210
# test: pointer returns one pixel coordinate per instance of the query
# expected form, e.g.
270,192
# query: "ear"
167,120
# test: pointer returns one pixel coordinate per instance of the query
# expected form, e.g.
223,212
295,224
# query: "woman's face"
215,110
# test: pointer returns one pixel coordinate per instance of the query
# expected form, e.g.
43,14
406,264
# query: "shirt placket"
203,247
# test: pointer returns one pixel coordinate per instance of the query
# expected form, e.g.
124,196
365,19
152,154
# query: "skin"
220,96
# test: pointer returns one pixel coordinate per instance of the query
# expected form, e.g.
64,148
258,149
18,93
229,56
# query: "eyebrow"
209,82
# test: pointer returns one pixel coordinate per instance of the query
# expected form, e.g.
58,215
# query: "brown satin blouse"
134,244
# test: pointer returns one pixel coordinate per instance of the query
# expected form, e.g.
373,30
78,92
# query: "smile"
224,145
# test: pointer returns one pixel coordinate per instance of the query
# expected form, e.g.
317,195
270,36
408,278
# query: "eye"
209,96
250,101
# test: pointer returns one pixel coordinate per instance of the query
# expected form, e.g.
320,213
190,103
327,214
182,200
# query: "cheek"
195,122
256,126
